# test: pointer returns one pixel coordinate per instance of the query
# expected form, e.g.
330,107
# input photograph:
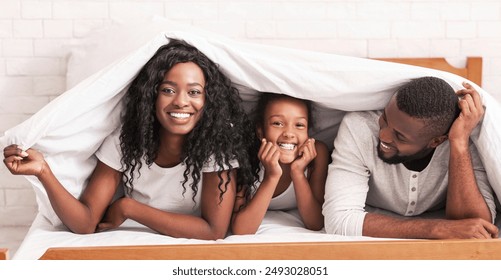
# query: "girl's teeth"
287,146
180,115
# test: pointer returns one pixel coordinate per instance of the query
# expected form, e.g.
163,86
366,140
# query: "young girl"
183,136
295,166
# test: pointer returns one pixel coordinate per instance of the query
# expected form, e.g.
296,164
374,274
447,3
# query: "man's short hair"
432,100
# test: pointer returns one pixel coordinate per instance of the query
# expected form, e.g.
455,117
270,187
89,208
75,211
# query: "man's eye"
399,138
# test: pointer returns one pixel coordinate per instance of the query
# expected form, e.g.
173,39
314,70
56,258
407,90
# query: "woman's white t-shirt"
159,187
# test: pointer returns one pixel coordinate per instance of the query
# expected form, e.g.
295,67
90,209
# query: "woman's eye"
194,92
168,91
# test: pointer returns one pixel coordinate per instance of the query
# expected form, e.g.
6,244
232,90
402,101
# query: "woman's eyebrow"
195,84
168,82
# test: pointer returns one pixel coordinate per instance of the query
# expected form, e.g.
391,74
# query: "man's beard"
397,159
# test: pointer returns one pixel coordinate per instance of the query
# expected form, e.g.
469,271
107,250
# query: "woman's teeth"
179,115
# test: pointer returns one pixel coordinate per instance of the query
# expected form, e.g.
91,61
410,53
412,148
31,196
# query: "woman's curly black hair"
224,131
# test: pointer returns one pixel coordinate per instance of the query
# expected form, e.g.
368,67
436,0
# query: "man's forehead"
402,123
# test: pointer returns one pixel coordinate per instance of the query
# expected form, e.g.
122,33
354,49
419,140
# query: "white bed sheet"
277,226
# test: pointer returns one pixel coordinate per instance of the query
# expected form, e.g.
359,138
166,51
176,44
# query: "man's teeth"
180,115
287,146
385,146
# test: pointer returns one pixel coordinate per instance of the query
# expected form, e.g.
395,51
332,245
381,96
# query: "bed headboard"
3,254
472,70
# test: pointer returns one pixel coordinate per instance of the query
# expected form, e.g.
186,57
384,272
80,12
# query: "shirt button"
413,203
414,176
413,189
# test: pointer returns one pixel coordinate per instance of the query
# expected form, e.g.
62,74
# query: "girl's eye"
276,123
301,125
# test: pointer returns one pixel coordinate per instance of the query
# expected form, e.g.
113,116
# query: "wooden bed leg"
4,254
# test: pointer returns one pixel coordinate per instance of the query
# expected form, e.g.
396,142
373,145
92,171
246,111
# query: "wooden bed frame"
3,254
354,250
472,70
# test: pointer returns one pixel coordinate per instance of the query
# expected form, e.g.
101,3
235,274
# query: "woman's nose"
180,100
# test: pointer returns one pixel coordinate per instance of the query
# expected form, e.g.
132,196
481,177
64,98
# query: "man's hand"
472,112
475,228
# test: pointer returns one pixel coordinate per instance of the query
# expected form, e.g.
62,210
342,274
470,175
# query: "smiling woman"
175,132
181,99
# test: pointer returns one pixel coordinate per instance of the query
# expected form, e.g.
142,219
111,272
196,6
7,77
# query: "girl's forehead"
287,105
287,102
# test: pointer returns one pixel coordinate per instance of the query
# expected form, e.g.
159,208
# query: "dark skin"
286,152
468,215
179,105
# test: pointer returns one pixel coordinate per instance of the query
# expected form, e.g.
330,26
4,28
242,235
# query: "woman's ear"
437,141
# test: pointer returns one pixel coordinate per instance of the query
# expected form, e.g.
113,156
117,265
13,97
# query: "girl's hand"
269,155
114,216
472,112
19,162
307,153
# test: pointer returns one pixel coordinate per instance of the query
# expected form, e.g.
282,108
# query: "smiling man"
394,171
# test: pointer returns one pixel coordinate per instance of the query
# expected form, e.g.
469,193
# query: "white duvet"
71,128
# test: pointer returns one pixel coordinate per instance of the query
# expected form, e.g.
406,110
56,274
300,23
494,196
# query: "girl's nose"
287,133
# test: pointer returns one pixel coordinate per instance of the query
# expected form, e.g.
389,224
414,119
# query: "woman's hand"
115,215
19,162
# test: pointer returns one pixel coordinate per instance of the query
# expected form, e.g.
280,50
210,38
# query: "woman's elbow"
216,235
315,227
82,229
242,231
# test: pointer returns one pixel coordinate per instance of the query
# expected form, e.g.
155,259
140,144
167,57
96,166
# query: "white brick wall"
35,35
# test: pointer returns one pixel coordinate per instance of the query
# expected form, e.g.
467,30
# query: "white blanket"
70,128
